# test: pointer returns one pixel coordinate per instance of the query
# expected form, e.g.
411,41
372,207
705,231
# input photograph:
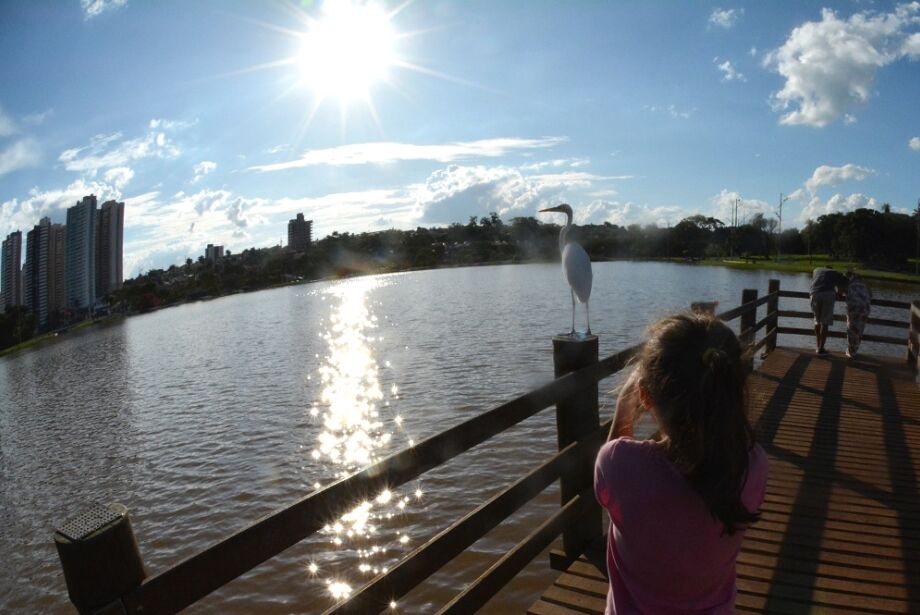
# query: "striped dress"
858,306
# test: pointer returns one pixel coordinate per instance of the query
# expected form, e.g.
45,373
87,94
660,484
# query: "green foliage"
17,325
853,236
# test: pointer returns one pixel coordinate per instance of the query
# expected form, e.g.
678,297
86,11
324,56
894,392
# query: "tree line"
854,236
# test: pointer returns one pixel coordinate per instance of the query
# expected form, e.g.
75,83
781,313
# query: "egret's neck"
564,233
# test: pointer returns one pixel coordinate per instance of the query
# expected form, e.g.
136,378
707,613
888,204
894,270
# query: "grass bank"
47,337
800,263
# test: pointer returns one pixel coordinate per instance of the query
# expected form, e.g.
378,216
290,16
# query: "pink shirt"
665,553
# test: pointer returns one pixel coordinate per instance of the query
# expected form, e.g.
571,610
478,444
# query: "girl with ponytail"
680,501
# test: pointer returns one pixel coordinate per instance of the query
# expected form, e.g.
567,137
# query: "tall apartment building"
36,271
213,253
57,264
80,261
300,233
11,271
110,226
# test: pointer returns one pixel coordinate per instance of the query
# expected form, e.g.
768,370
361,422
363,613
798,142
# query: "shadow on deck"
840,530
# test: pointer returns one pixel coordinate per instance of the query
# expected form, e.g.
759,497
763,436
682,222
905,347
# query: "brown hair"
696,374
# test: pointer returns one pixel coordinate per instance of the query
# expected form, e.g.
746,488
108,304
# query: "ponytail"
696,374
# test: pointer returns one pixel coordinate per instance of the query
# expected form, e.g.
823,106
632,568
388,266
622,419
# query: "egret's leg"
588,317
573,311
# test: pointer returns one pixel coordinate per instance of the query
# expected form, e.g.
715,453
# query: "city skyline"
67,267
220,127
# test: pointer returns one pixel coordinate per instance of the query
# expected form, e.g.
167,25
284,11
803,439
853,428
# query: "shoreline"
791,264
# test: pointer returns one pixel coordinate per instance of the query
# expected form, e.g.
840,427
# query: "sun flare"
347,49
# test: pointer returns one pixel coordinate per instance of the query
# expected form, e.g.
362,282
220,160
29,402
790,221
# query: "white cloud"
829,66
626,213
94,8
119,176
241,212
387,152
837,204
277,149
723,206
729,72
163,124
832,176
673,111
142,200
203,168
914,143
110,150
725,18
7,125
798,195
36,119
911,46
556,164
20,155
455,193
752,51
18,214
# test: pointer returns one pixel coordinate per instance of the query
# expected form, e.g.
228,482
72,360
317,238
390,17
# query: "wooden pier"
840,530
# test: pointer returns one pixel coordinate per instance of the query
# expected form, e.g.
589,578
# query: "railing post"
100,558
704,307
773,313
913,335
576,417
748,320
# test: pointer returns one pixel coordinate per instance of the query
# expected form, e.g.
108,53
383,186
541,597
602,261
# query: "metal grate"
88,521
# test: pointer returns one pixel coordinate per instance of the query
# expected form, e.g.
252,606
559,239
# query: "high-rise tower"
35,272
57,265
299,233
11,271
81,262
110,226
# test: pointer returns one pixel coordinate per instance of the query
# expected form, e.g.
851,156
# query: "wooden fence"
104,570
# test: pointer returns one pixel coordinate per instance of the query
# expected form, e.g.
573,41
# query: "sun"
346,50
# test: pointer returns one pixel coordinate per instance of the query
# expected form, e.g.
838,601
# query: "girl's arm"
627,409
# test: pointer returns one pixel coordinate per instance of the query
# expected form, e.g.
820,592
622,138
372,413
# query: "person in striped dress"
858,300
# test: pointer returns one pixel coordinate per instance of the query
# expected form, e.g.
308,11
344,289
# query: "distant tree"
17,325
689,237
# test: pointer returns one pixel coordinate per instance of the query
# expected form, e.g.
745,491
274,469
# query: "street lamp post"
779,214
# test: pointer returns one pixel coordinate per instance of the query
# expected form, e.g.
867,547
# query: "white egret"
576,265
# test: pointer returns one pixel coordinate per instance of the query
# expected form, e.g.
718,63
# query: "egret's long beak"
557,208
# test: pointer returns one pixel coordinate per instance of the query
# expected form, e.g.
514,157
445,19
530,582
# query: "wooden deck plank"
840,526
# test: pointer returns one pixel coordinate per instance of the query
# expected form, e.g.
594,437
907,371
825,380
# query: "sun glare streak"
354,433
443,76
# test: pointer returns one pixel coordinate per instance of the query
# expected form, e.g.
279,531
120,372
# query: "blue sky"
216,122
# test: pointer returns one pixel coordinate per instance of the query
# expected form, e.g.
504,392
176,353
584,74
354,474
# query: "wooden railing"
102,564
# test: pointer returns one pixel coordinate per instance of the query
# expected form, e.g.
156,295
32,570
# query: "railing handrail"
198,575
801,294
437,551
882,322
744,308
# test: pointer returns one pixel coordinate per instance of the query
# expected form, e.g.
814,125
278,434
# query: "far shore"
803,264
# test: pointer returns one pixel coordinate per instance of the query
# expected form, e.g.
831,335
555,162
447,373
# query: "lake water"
204,417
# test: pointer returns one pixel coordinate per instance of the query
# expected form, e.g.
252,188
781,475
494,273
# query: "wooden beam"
576,417
897,341
497,576
376,595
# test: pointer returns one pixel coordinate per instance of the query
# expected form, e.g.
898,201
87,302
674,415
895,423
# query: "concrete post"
100,558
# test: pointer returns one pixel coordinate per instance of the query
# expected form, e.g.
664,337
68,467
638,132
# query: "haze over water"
204,417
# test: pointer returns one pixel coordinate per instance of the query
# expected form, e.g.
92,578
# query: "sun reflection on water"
356,433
